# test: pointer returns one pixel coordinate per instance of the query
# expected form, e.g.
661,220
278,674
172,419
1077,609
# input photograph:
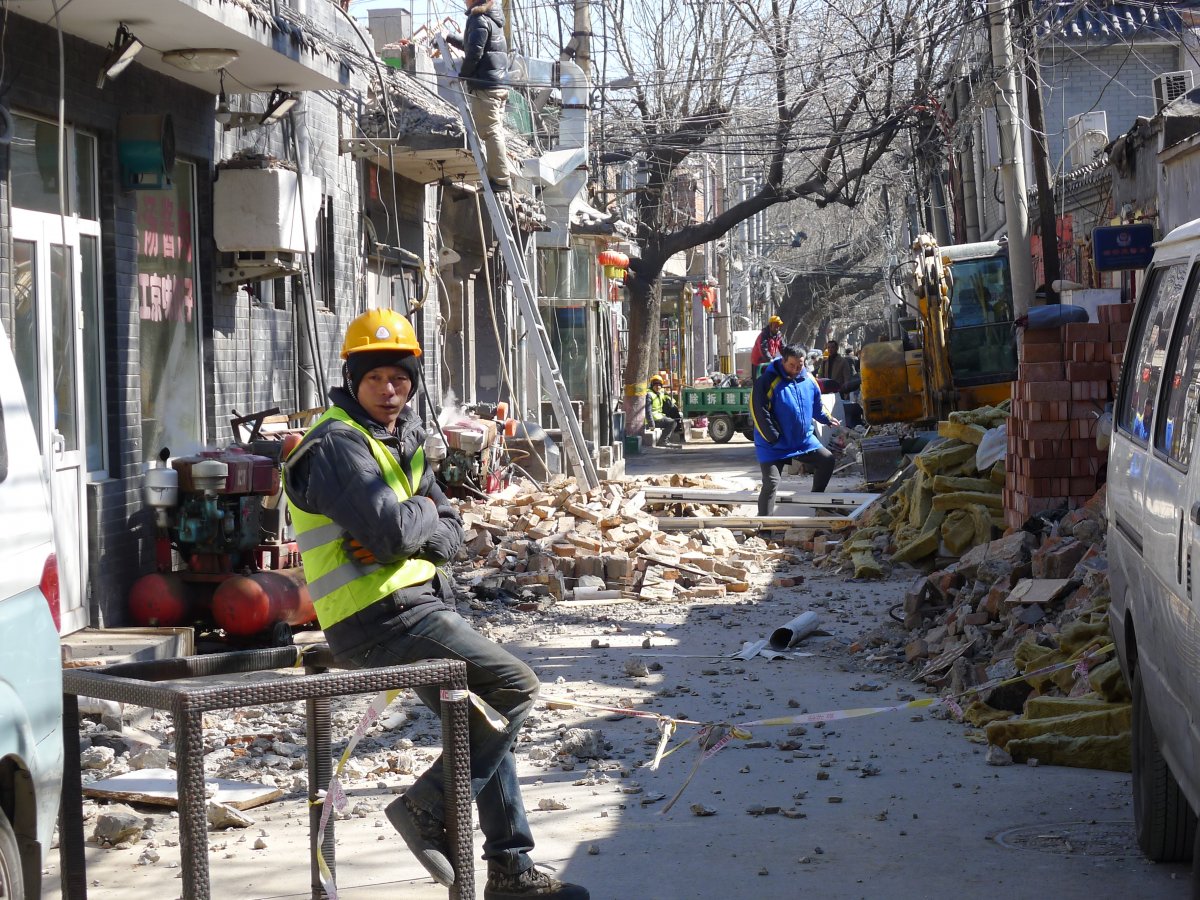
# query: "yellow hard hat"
774,320
380,329
655,379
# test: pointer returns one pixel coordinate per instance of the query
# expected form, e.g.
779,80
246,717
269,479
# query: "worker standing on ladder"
484,66
375,534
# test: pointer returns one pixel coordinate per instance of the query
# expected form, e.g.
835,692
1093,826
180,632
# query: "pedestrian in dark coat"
785,402
484,71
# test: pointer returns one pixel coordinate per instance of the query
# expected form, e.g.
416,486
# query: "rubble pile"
1015,606
572,545
943,507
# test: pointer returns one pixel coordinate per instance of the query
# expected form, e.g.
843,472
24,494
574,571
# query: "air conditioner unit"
1171,86
1087,136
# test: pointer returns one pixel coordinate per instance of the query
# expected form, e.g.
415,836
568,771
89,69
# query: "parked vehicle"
1154,545
31,741
726,408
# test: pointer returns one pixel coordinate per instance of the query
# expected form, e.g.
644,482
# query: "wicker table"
188,687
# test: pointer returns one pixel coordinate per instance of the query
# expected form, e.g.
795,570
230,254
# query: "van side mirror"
1104,427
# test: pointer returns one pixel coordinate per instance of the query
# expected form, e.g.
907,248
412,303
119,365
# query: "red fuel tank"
250,604
159,599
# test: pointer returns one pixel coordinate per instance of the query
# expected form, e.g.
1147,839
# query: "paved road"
899,805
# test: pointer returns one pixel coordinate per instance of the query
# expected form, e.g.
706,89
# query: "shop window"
169,338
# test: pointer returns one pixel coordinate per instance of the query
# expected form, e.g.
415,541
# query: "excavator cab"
959,351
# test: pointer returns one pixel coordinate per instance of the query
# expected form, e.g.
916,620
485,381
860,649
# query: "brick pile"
568,544
1065,377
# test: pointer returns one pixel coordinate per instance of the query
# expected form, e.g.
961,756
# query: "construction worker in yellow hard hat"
768,343
373,529
662,412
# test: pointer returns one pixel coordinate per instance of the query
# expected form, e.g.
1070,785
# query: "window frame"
1187,303
81,227
1136,339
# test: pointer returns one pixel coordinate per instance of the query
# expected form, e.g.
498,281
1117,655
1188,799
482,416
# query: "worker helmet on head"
380,329
775,320
655,379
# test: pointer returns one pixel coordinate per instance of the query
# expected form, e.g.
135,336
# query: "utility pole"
1012,158
1041,166
582,37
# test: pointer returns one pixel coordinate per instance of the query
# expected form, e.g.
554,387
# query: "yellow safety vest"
340,585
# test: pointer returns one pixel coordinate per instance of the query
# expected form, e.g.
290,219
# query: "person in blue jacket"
785,402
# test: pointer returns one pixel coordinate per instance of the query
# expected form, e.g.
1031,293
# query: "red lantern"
708,296
615,263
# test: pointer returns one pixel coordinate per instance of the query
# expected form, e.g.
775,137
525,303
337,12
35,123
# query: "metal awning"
272,51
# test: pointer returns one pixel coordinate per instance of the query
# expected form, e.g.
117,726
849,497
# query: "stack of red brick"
1065,376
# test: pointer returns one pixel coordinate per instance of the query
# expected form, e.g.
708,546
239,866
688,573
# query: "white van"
1154,544
31,739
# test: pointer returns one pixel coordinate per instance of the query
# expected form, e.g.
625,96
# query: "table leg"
193,811
456,758
70,838
320,770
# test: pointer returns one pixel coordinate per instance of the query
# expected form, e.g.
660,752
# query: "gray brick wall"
1117,80
248,345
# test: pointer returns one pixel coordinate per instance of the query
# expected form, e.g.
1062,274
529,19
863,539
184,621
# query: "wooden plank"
752,523
802,498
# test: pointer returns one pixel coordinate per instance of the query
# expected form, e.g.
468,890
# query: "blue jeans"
506,684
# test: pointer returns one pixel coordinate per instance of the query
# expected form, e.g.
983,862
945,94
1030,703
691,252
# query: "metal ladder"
514,261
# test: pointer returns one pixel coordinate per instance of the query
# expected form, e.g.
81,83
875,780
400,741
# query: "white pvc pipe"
793,632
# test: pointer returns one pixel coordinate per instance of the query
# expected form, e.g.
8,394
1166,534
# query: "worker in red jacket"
768,344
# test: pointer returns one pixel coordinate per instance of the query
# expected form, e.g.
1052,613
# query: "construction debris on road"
992,609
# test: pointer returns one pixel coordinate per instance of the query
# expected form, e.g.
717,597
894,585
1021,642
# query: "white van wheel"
1165,824
12,880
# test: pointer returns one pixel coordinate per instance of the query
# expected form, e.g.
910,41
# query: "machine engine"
224,549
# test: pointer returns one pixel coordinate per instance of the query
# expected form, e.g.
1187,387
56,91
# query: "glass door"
47,338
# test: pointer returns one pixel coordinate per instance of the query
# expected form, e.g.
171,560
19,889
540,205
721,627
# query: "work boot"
425,836
531,883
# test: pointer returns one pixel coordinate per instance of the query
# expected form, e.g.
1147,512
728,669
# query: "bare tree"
810,94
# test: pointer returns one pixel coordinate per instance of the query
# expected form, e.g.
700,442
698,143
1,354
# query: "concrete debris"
583,743
118,824
636,668
150,758
997,756
96,757
222,816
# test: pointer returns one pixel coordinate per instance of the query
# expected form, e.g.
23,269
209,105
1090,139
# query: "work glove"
444,545
359,552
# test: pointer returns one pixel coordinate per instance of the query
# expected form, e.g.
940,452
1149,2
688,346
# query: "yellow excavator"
959,351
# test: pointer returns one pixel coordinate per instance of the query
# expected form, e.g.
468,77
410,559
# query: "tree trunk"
645,305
